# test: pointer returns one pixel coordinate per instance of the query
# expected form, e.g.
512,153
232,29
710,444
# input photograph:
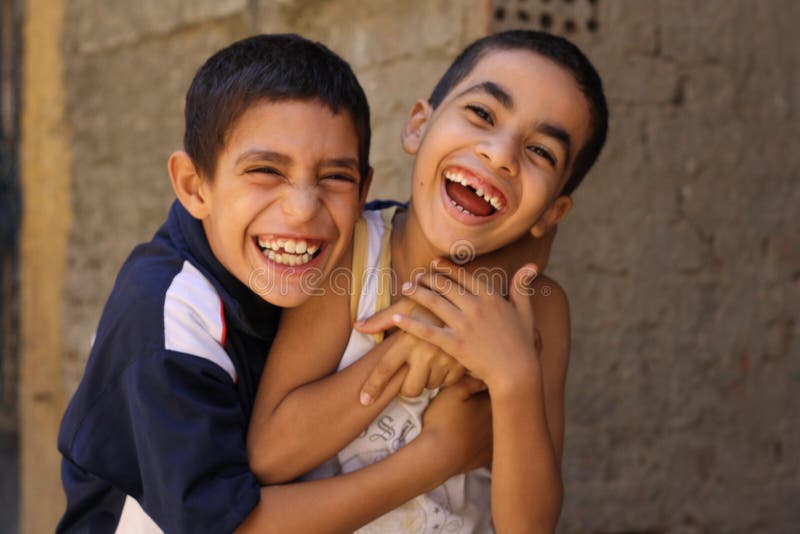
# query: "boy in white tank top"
508,133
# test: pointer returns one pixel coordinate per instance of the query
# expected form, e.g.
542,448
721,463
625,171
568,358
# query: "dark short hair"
563,53
268,68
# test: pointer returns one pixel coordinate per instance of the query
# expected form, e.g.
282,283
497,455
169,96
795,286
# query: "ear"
189,186
552,216
364,186
414,128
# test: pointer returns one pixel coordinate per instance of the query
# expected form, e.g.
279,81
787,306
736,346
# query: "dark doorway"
10,78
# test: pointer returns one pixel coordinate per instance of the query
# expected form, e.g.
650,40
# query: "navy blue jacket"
155,434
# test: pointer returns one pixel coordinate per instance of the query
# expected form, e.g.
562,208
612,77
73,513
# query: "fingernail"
407,286
360,322
365,398
396,317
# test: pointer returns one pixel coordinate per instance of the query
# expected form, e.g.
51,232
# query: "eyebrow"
283,159
494,90
264,155
347,163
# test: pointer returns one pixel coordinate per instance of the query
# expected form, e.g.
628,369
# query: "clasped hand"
454,322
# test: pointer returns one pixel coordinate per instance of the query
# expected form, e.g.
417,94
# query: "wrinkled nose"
500,152
301,203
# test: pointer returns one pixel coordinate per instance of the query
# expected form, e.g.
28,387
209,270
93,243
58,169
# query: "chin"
287,299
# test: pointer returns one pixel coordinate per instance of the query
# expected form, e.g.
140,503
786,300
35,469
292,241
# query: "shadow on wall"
9,483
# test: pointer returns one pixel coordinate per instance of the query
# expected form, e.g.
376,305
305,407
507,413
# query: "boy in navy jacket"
273,176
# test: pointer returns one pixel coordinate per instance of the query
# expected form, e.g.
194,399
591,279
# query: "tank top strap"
383,298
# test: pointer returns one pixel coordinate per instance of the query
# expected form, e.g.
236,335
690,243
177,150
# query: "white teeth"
462,209
293,246
455,177
458,178
292,260
293,252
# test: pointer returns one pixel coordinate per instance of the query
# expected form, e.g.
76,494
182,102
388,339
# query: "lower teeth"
291,260
460,208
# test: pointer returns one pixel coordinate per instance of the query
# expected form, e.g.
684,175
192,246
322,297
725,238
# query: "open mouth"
290,252
471,195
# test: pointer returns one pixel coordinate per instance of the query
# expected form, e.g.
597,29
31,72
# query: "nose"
499,151
301,203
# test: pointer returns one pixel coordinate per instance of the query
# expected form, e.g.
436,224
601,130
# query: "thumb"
522,290
382,320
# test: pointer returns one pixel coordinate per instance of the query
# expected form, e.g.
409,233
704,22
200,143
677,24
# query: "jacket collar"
250,312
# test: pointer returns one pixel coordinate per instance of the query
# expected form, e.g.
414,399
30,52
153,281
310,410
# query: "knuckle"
446,361
425,329
383,370
431,355
423,296
410,391
472,308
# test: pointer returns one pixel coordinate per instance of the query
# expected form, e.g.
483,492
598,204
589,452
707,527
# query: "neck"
411,251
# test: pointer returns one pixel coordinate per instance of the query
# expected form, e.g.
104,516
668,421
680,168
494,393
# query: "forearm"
526,482
313,422
346,502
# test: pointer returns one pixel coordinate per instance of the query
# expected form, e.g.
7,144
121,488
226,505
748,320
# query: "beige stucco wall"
681,257
45,180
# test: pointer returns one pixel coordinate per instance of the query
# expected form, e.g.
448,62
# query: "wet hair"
268,68
561,52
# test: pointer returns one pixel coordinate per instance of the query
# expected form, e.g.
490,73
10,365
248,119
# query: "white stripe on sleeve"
193,319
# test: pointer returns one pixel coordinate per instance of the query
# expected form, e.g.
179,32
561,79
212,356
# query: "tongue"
467,199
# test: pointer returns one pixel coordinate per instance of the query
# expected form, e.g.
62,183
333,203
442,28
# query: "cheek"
344,211
534,199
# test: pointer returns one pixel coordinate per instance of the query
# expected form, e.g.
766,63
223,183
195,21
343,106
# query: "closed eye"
340,177
337,182
264,170
481,113
544,153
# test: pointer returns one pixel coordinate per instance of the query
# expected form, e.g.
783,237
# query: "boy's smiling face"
492,158
280,208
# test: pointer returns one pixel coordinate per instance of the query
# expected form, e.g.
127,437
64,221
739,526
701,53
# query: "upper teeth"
298,246
457,177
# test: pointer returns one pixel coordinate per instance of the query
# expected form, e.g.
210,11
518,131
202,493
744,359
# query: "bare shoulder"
551,309
549,297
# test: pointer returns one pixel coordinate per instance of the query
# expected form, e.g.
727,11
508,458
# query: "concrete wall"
128,72
682,262
681,257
